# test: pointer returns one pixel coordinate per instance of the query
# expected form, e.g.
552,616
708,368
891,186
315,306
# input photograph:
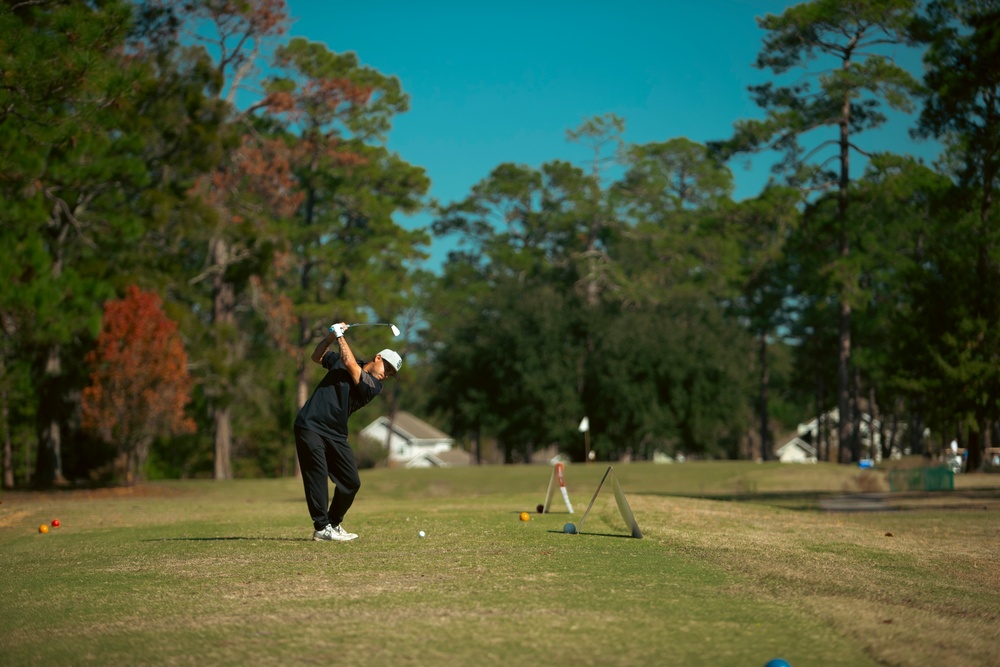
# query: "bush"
369,454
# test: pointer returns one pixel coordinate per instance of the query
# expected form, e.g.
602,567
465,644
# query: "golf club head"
395,331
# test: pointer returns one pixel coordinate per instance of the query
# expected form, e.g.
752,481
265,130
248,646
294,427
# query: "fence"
940,478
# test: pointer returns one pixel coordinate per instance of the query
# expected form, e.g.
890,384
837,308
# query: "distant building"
804,446
414,443
796,450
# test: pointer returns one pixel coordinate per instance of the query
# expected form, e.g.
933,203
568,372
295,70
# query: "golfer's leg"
344,473
311,451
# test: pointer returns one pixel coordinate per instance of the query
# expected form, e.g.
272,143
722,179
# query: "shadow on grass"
828,501
795,500
559,532
229,539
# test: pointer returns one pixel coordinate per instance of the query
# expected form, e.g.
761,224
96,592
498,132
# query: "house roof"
801,444
446,459
454,457
417,429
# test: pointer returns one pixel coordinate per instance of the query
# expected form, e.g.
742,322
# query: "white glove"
338,329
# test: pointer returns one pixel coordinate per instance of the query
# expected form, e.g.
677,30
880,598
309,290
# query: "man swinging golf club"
321,429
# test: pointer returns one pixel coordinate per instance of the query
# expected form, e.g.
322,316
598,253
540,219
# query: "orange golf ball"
525,516
43,528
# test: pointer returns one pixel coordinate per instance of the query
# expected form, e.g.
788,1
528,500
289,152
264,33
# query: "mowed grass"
738,565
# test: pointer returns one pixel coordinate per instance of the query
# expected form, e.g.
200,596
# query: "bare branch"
242,72
62,207
860,150
819,187
217,269
817,149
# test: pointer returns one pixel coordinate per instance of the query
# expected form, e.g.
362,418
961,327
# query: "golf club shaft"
395,331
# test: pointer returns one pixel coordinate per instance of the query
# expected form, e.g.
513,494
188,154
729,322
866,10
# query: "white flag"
584,425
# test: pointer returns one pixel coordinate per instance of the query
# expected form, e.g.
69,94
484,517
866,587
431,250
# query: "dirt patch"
13,518
134,491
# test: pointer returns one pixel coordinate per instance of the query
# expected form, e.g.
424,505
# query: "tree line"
191,166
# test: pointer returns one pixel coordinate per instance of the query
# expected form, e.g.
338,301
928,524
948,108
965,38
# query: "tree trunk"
974,446
857,416
49,462
477,438
392,420
128,466
916,431
893,434
302,372
844,313
765,428
822,444
223,318
8,446
223,442
873,446
301,396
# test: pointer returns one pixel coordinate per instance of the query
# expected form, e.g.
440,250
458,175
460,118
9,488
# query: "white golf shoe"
334,534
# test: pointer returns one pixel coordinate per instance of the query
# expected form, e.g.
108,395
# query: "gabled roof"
800,443
413,428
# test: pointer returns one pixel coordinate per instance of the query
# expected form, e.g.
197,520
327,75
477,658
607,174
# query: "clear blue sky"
493,82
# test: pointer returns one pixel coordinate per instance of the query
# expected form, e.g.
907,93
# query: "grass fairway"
738,565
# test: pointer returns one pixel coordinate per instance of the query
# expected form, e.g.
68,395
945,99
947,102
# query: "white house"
869,428
803,447
452,457
413,442
796,450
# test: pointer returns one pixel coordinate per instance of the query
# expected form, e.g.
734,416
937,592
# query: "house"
796,450
446,459
804,446
413,442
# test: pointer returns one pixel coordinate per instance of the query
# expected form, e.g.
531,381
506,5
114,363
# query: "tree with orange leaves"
139,382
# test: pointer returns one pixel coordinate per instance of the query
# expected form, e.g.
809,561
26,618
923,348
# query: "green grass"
738,565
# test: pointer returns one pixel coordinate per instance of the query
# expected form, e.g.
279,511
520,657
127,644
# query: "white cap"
392,358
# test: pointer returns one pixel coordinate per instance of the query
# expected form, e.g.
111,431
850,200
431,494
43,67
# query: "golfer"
321,429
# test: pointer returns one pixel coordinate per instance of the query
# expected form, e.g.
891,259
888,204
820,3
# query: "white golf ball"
421,533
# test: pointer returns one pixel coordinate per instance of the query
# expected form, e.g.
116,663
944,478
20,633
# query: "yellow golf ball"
525,516
43,528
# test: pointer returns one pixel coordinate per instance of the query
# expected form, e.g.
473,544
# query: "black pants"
321,457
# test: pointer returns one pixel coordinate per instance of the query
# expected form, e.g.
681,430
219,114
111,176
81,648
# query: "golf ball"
55,523
541,509
421,533
569,529
43,528
777,662
525,516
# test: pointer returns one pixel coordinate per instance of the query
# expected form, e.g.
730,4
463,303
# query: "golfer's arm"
345,353
324,345
349,361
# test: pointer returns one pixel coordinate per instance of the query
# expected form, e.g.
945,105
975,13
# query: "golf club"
395,331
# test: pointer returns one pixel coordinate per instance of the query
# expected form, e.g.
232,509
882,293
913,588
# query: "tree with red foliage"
139,382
